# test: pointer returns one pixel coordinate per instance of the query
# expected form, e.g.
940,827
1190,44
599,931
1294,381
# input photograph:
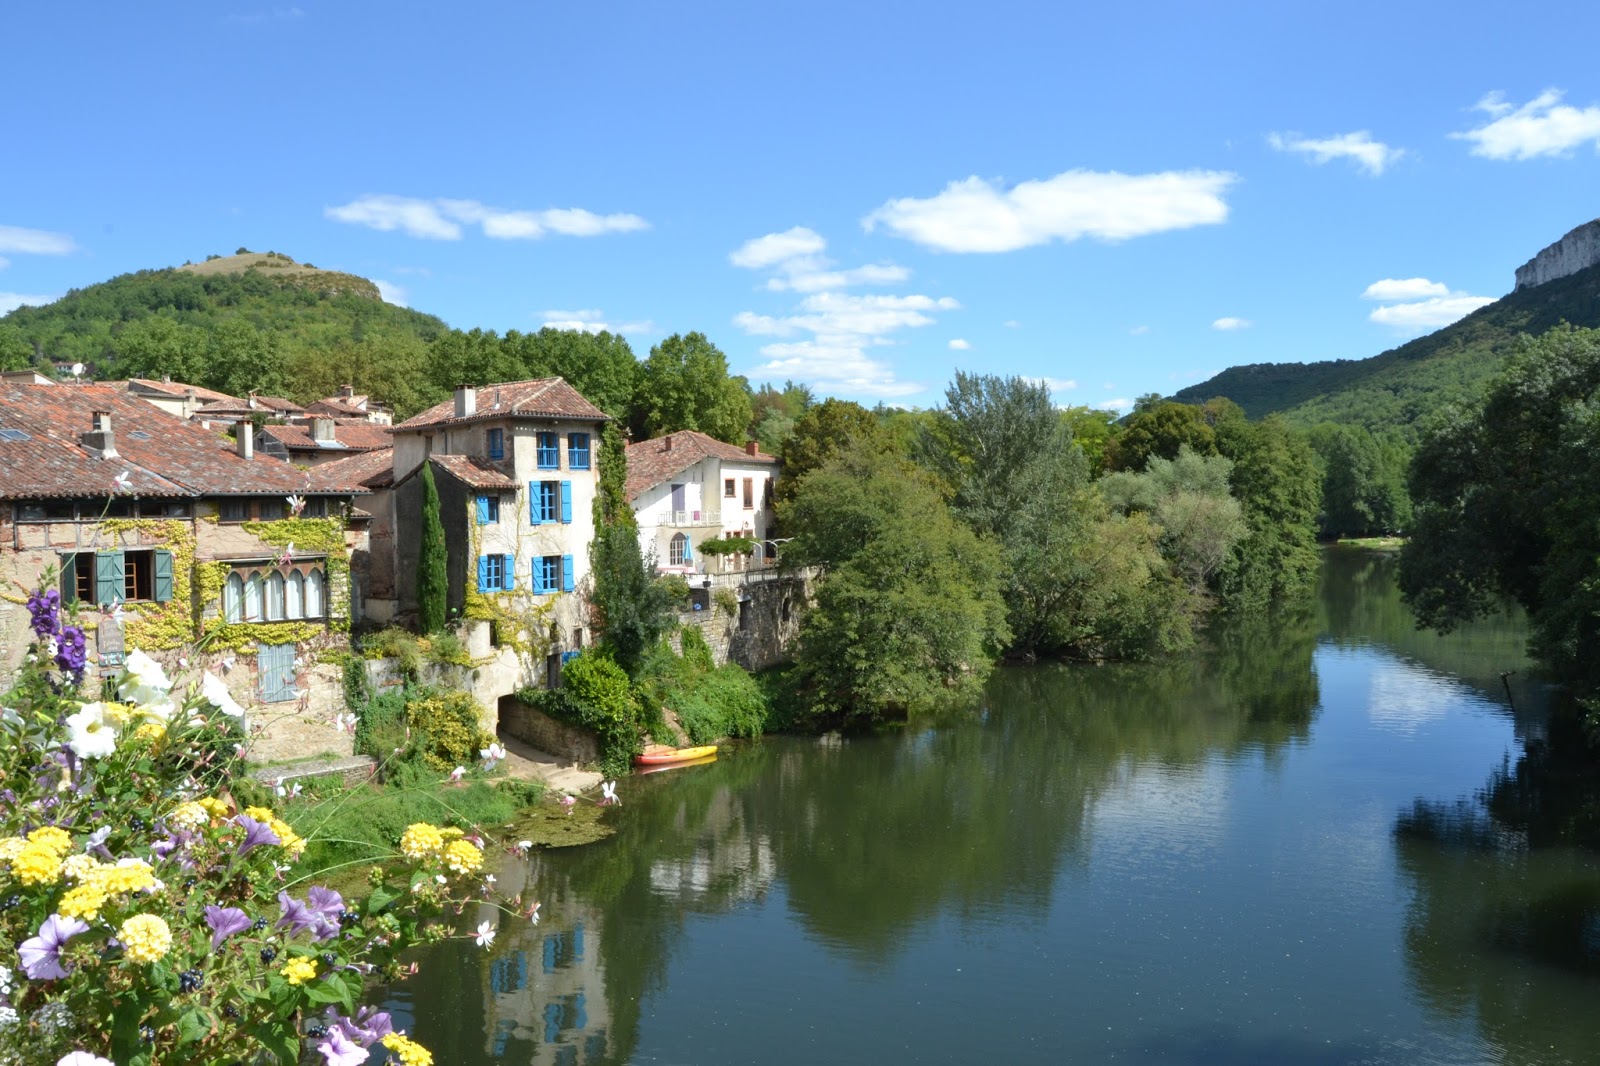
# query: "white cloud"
837,363
1372,156
1392,289
1230,323
1139,331
1429,314
1011,323
807,278
17,239
976,215
774,248
391,293
1542,126
10,301
1119,405
1059,384
442,219
957,344
592,321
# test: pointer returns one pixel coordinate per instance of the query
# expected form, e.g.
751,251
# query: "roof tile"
537,398
650,462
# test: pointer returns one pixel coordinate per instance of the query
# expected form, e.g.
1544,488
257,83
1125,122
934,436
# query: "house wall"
761,633
375,566
719,515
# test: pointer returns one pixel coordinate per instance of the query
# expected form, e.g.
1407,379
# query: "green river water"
1325,839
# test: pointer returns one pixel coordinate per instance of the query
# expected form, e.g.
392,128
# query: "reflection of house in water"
742,871
546,998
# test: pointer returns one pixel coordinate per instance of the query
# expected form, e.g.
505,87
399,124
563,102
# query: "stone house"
515,466
687,488
373,596
176,397
322,439
351,406
172,539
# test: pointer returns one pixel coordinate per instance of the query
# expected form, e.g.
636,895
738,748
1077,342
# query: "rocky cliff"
1576,251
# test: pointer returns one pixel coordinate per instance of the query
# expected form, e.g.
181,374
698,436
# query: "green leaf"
194,1025
381,898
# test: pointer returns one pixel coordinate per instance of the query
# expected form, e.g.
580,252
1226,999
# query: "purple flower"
71,651
369,1026
224,922
41,955
255,834
45,607
320,914
339,1050
328,905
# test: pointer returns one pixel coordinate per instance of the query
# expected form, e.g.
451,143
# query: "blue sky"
1121,199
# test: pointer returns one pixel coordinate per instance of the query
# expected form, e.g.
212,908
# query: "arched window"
314,594
274,597
678,549
294,596
252,599
233,599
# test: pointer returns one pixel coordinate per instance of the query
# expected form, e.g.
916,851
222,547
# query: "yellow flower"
189,815
450,832
462,857
214,807
128,875
10,847
298,970
52,837
79,866
260,814
421,841
150,731
145,937
116,713
83,902
36,864
408,1051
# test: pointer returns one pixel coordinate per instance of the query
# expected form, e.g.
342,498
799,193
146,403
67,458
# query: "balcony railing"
694,518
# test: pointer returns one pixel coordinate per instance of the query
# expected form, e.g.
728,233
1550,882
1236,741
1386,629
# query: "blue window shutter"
538,576
508,572
688,550
163,576
275,670
109,584
566,573
533,502
483,510
566,502
483,573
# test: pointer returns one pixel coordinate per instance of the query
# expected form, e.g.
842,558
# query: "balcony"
694,519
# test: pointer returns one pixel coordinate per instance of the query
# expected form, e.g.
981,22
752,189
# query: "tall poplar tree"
433,579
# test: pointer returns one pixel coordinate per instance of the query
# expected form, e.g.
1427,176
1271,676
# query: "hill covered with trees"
1399,389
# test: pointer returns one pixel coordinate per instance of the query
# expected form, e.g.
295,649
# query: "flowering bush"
145,919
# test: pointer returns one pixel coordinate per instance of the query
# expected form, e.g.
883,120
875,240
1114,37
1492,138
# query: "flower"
123,482
339,1050
83,1058
41,954
533,912
217,694
462,857
524,846
485,935
608,793
90,733
298,970
568,802
421,841
45,609
286,791
224,922
145,937
369,1026
458,773
37,864
71,653
143,680
492,755
189,815
408,1051
296,503
255,834
320,913
288,554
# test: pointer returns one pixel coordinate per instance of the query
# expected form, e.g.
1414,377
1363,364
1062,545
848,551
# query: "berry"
147,1034
329,959
268,954
317,1031
10,902
189,980
259,924
230,1011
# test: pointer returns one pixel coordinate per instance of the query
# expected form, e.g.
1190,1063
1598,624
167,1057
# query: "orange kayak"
670,766
668,756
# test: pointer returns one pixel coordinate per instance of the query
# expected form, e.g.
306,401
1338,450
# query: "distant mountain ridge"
1400,388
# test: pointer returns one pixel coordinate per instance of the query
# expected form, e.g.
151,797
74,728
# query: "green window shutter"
508,572
566,573
109,582
69,577
566,502
163,575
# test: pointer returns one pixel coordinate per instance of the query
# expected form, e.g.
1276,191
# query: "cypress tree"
433,581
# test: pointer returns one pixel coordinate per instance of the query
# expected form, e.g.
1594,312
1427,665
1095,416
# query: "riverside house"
686,488
515,468
173,539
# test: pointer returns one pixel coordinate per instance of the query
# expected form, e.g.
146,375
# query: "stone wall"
761,632
1578,250
569,743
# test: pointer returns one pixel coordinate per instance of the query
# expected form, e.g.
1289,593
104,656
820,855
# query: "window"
77,577
316,507
678,551
577,637
250,596
552,573
550,501
138,570
497,573
275,665
729,488
577,451
108,577
549,451
294,596
233,510
488,510
165,508
314,597
749,494
495,443
272,509
233,599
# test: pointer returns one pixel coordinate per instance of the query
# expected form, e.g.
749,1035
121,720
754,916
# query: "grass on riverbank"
1384,543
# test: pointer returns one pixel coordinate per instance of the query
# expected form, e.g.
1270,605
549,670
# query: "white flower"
5,980
8,1016
458,773
608,792
533,913
493,751
122,482
143,680
485,935
77,370
212,688
524,846
115,613
9,716
91,735
97,838
288,554
296,504
83,1058
227,663
488,879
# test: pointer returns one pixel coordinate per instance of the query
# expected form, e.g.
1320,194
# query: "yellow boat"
668,756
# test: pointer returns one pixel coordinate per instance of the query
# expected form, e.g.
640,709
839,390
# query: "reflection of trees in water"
1504,922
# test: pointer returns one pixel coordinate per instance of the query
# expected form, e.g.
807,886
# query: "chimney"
752,447
322,429
346,391
667,447
245,439
166,379
466,401
100,440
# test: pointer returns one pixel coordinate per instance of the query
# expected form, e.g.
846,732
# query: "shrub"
381,726
696,652
433,581
446,649
446,729
396,644
728,546
726,601
726,702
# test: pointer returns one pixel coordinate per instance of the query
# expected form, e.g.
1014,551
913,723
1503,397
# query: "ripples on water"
1192,862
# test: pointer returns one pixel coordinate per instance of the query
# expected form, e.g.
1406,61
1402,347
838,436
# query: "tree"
824,432
1159,428
241,359
774,412
685,384
475,357
433,580
1363,491
909,606
1092,429
1277,483
632,608
1189,499
390,368
15,351
157,346
599,365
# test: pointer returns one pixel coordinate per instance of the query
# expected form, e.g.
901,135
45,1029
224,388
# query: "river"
1318,841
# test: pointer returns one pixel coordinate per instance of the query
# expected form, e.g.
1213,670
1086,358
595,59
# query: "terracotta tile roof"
474,472
347,437
374,470
41,453
339,408
235,406
539,398
177,390
650,462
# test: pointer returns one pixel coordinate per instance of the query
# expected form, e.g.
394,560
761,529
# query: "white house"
687,488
